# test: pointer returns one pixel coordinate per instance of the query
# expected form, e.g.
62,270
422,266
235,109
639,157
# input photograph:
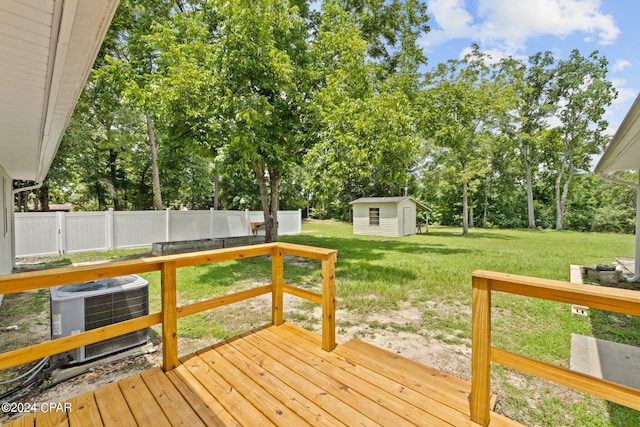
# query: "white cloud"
620,65
625,94
452,18
508,24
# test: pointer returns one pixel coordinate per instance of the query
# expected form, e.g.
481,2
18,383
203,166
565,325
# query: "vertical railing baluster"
481,351
277,281
169,316
329,302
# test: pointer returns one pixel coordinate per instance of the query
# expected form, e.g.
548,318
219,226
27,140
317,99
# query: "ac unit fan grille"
103,310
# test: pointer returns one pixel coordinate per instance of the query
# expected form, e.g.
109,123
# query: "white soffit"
47,49
623,152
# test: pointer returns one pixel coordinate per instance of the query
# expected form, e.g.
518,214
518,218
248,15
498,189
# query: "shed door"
408,221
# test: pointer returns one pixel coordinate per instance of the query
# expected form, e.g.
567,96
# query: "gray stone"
592,273
609,277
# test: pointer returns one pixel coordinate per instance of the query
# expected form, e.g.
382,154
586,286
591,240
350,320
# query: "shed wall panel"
388,220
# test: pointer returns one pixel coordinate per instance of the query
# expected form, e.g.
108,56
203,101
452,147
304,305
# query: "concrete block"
184,246
232,242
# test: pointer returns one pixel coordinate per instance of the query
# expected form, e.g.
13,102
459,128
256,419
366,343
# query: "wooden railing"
170,312
603,298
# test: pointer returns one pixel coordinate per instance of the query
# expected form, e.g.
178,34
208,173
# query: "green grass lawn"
381,274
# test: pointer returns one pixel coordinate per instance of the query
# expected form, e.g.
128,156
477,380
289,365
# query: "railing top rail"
19,282
602,297
306,251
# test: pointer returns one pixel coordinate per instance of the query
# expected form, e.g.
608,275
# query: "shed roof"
397,199
47,49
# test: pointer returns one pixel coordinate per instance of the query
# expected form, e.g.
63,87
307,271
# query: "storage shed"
386,216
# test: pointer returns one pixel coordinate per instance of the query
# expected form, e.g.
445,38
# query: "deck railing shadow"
483,353
170,311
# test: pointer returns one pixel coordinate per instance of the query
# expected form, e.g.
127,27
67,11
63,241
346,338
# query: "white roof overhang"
623,152
47,49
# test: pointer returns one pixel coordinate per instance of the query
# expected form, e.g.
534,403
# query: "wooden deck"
277,376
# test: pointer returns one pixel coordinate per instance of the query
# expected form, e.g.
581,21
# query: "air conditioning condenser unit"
83,306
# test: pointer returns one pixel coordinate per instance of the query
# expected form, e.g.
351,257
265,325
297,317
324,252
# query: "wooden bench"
255,226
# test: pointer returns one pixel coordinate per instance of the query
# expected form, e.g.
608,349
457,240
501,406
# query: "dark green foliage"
290,106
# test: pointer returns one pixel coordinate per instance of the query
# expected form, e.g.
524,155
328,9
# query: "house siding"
388,219
6,223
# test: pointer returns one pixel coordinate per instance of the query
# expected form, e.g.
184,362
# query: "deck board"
113,407
271,407
84,411
231,400
307,388
206,406
173,404
27,420
144,407
391,384
376,390
278,387
277,376
313,371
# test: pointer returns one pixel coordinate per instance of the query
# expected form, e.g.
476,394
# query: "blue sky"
522,27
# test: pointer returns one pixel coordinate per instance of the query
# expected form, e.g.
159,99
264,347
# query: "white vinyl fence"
52,233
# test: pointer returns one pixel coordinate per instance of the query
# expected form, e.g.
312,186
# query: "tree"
126,52
583,93
365,107
261,82
463,103
532,83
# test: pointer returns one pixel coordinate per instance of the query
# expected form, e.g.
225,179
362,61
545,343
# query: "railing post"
481,351
329,302
169,317
277,282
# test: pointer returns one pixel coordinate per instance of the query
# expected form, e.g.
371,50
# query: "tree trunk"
268,200
471,221
271,227
43,197
561,198
529,184
561,205
216,188
113,175
155,175
465,210
485,207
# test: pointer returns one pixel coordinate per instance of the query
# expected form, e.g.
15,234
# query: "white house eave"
623,152
47,49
